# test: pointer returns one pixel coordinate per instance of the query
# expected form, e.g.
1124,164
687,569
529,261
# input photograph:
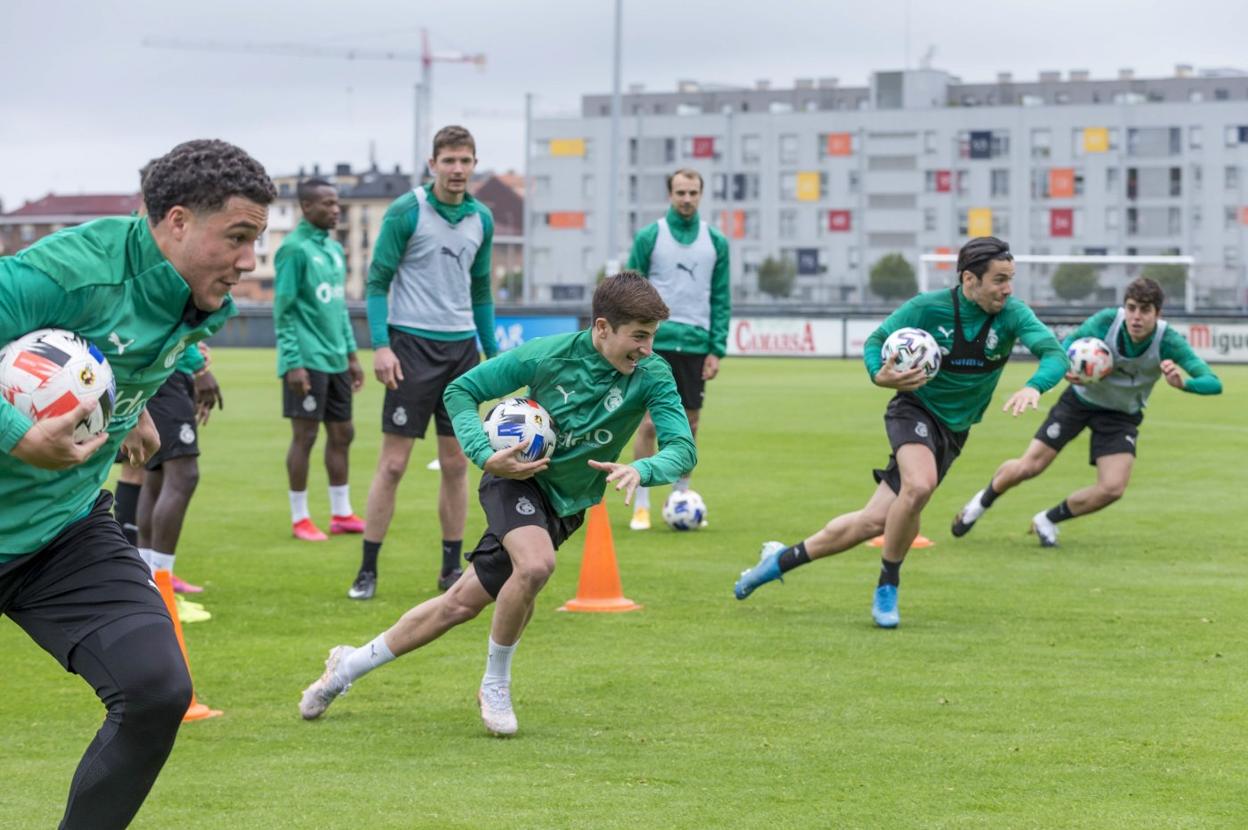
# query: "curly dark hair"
202,175
628,297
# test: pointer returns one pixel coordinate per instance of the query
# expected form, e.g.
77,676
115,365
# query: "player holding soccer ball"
927,421
596,385
142,289
1144,350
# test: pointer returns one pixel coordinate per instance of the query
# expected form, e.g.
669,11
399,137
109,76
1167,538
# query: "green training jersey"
107,281
310,313
595,409
959,400
1137,366
688,261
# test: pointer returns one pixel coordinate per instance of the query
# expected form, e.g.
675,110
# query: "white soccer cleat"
965,520
317,697
496,712
640,520
1044,529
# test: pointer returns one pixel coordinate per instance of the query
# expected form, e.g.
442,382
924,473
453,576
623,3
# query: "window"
788,223
750,260
738,187
1231,177
1197,178
751,149
1041,143
1230,217
983,144
1111,180
788,148
930,143
1197,217
853,257
1153,142
929,219
587,187
807,186
1230,255
962,182
999,183
855,181
1194,137
1111,219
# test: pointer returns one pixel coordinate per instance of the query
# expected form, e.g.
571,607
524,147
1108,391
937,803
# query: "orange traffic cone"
920,541
599,588
197,710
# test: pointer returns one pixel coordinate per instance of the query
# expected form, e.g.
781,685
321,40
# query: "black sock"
371,551
791,557
1060,513
126,509
450,555
890,573
989,496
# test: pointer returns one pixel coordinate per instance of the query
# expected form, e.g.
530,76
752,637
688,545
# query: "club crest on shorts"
525,507
187,434
399,417
920,429
309,404
1054,430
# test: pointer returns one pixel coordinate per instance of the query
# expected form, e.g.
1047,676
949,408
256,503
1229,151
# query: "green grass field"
1098,685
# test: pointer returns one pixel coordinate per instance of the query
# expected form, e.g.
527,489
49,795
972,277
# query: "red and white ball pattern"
50,371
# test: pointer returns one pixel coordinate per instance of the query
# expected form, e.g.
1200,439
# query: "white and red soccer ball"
908,348
518,419
1090,359
50,371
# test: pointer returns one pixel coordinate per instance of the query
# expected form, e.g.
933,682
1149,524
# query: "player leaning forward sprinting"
1145,350
596,384
976,325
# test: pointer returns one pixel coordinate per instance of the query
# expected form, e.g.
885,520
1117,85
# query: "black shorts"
907,421
173,410
510,504
428,366
328,400
687,370
1112,432
85,578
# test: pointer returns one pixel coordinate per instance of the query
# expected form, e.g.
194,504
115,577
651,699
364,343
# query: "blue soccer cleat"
884,607
767,570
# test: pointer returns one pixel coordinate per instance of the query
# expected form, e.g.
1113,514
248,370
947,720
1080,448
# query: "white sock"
298,506
681,484
498,664
160,561
340,500
641,498
366,658
146,555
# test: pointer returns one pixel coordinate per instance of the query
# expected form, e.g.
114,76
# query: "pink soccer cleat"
181,586
346,524
308,532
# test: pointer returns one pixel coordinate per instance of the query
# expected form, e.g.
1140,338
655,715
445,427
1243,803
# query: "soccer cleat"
449,578
884,607
346,524
640,520
183,587
965,520
317,697
306,531
496,712
1045,530
767,570
190,612
364,586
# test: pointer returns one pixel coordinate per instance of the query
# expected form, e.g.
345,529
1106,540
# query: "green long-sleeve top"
107,281
594,407
959,400
1174,346
397,228
310,315
683,337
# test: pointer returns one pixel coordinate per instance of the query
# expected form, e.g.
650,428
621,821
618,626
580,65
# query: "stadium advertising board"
786,337
512,331
1216,342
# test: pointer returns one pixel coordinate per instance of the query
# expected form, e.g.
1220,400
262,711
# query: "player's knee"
392,469
341,435
534,574
1111,491
454,466
871,525
182,479
304,441
917,490
456,611
157,702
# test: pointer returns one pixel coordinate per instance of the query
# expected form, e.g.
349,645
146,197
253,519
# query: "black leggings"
135,666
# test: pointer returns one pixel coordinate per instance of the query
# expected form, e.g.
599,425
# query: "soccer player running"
1145,350
596,384
142,289
687,260
428,300
316,358
976,325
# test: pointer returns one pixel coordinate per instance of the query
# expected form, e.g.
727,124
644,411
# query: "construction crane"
422,102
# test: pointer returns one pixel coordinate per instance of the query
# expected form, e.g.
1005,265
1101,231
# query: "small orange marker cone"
197,710
599,588
920,541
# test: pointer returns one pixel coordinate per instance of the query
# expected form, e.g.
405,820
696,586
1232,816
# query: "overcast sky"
84,104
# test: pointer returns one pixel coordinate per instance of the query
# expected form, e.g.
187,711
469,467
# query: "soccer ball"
684,510
907,348
1090,359
50,371
517,419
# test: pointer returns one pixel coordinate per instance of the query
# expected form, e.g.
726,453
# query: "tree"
1075,280
776,277
1172,278
892,278
511,286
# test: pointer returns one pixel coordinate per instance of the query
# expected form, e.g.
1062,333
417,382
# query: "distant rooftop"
85,205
